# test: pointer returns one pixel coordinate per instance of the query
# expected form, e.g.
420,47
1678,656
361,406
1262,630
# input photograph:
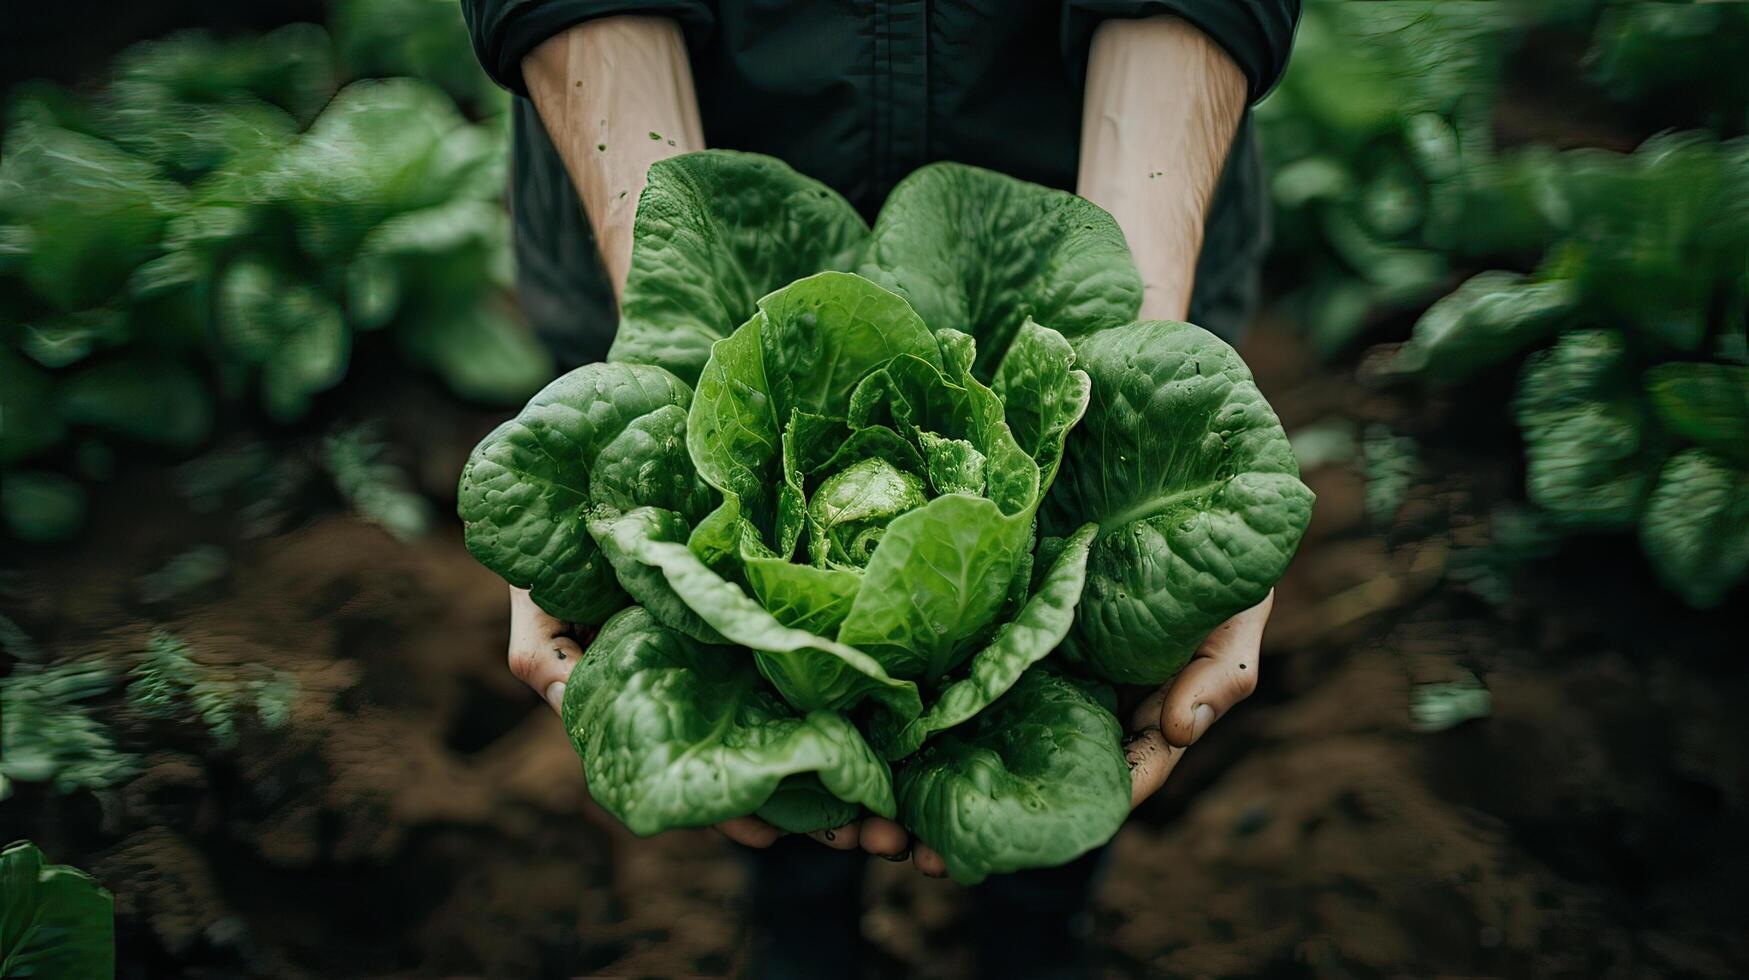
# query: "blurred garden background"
256,306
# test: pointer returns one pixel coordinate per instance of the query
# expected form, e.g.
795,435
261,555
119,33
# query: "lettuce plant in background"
1386,170
225,220
841,493
1634,406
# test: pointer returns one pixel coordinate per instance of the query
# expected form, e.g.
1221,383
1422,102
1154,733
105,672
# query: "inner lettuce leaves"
836,522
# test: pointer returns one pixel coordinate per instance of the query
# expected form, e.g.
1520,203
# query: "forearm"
616,95
1161,106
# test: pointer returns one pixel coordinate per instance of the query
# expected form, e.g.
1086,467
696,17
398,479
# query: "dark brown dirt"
422,815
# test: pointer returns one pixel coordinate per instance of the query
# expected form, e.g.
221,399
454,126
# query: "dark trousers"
807,907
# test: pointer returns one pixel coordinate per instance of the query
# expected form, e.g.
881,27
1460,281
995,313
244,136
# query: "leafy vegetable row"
1381,139
219,224
1636,413
840,493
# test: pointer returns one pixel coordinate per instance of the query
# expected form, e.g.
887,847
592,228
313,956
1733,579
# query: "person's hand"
1221,673
543,649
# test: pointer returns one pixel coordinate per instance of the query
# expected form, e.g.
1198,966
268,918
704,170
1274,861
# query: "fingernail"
556,695
1200,720
904,855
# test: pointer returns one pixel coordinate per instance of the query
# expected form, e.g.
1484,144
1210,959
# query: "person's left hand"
1221,673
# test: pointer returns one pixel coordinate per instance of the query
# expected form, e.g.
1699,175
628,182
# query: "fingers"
1152,758
928,862
843,838
886,839
1221,674
756,833
542,652
751,831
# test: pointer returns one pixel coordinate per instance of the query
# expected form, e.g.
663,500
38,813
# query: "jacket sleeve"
1256,34
505,31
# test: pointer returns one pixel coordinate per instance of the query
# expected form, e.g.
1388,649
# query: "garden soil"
421,814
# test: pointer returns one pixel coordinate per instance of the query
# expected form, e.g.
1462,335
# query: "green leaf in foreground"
811,671
1695,529
55,920
674,733
1034,780
525,488
715,231
935,584
1189,475
980,252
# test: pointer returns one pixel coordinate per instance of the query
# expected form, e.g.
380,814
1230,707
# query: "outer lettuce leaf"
1189,475
673,733
1695,530
934,585
977,251
1036,779
803,804
55,920
715,231
1021,642
1587,458
525,488
624,539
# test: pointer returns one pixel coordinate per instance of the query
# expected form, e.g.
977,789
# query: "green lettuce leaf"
805,349
1695,530
934,585
980,252
525,488
1189,475
673,733
1021,642
812,672
1043,394
55,920
714,232
1034,780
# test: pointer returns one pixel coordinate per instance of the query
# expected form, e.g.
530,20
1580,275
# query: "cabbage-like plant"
840,493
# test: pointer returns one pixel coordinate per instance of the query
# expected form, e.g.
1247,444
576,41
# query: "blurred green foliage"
224,220
1620,280
1387,173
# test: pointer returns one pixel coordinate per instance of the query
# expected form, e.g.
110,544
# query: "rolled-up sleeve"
1256,34
505,31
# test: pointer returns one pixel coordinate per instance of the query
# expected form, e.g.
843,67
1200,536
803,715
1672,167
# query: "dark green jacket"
858,93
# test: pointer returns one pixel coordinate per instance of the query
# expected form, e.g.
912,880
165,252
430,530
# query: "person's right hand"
543,649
